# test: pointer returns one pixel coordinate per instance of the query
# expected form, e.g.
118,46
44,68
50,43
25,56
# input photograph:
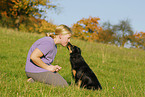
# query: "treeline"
26,15
120,34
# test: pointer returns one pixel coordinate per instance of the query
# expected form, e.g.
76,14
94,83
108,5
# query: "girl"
41,55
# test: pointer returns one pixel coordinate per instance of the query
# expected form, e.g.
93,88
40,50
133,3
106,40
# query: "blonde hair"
61,29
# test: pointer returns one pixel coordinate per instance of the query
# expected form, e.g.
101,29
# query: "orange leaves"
138,40
4,13
95,20
24,11
15,1
139,35
36,25
87,29
24,7
90,30
45,27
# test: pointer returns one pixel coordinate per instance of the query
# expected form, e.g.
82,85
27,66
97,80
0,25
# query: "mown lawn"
121,71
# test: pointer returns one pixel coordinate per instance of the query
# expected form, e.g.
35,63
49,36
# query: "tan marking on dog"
74,72
70,50
79,83
69,47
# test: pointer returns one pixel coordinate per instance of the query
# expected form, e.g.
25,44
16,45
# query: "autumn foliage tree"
87,29
23,12
90,30
138,40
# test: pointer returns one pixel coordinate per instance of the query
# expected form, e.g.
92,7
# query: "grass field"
121,71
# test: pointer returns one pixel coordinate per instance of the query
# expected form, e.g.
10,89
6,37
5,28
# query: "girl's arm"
35,57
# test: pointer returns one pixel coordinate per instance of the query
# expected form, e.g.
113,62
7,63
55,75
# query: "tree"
90,30
138,40
17,9
123,29
109,35
87,29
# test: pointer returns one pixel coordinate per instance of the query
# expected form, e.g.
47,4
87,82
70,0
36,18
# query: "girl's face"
65,39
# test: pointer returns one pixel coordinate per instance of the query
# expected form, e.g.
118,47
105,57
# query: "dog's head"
73,49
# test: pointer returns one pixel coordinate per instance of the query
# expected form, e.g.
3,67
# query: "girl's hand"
57,68
52,68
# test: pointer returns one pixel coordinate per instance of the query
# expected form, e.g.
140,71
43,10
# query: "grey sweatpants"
49,78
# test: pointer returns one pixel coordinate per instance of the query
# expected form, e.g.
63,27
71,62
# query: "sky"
71,11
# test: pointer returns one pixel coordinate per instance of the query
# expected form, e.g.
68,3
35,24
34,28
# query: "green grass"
121,71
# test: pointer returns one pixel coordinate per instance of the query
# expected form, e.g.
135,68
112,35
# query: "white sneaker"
30,80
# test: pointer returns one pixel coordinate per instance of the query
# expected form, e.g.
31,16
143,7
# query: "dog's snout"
69,47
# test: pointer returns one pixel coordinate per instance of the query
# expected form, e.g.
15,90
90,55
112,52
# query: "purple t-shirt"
47,46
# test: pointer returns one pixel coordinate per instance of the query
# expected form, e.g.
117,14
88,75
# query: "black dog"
83,75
